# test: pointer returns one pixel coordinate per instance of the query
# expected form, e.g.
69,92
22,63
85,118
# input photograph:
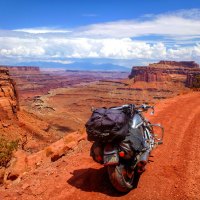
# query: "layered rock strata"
19,69
164,71
32,81
8,95
187,64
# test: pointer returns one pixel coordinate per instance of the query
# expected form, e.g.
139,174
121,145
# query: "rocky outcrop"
23,162
8,95
164,71
149,74
163,63
19,69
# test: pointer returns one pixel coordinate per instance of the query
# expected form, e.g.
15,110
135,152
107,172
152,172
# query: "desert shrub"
6,149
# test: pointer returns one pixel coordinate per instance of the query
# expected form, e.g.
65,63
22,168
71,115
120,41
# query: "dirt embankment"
172,173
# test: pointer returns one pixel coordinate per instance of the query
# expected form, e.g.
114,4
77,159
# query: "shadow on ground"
95,180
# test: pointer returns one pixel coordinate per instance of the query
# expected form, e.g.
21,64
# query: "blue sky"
125,32
72,13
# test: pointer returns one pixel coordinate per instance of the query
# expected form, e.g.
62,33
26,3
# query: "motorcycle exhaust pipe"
142,162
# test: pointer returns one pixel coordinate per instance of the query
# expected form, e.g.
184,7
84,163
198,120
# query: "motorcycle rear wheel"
121,179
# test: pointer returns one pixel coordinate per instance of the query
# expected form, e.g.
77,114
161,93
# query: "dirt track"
172,173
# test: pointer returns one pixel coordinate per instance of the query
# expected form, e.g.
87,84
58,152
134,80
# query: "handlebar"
144,108
132,107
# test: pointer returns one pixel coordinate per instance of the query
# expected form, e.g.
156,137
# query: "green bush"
6,149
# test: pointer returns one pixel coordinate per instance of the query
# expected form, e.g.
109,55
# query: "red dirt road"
172,173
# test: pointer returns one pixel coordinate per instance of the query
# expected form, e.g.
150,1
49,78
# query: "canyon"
60,101
64,98
46,112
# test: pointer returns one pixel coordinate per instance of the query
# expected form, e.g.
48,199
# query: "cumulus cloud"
120,48
179,33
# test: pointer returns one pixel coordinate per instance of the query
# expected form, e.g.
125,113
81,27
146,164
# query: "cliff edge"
167,71
8,95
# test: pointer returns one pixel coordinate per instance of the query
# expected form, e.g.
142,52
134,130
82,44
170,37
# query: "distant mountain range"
81,66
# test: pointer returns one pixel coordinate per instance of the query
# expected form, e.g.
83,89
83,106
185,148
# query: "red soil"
172,173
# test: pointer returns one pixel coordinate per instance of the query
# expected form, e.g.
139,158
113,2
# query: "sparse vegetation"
6,149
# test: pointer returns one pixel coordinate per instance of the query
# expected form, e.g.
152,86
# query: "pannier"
96,152
107,125
135,139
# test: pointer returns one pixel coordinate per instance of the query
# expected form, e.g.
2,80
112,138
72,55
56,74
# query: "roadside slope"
172,173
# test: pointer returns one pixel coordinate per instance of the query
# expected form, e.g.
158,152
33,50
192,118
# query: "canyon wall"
8,95
19,69
187,64
31,82
163,71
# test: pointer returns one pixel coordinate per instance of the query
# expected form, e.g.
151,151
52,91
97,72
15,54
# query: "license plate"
112,159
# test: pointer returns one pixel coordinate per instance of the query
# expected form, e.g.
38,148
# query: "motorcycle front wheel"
121,177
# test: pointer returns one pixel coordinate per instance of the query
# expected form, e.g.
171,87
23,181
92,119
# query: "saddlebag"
135,139
96,152
107,124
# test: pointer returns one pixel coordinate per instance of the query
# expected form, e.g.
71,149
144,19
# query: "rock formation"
164,71
188,64
31,81
19,69
149,74
8,95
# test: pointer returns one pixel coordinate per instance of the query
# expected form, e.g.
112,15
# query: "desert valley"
99,100
42,120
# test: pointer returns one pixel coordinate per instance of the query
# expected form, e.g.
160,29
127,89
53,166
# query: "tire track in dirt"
189,159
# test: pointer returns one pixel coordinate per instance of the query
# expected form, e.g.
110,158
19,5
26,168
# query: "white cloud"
42,30
112,40
57,61
170,25
115,48
190,13
180,24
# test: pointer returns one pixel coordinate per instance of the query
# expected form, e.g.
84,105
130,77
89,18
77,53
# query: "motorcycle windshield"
136,121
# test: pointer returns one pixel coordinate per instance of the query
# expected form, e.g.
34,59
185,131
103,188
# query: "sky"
123,32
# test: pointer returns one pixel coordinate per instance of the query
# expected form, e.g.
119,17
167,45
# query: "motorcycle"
122,162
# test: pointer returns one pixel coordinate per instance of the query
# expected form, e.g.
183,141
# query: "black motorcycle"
125,157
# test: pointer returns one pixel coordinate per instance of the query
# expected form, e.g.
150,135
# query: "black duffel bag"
108,124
